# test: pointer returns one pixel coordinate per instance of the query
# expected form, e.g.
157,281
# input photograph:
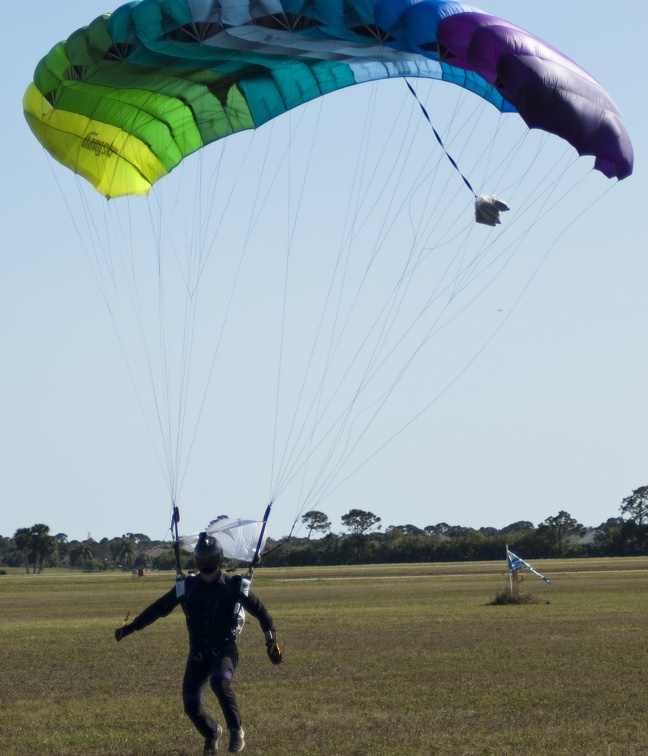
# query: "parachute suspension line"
255,213
484,346
517,243
326,484
105,262
195,267
314,408
282,330
395,306
292,222
487,208
172,418
332,349
199,269
292,230
94,241
286,464
404,144
277,477
510,250
462,280
360,169
409,199
440,141
162,396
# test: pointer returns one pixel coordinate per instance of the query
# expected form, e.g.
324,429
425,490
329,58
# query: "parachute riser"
175,519
246,579
257,553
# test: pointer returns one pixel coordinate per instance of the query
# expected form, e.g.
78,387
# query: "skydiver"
209,601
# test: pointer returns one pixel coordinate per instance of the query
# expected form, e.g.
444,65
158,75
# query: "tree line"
36,548
364,541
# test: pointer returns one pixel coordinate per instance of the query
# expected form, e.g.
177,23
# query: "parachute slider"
488,209
240,539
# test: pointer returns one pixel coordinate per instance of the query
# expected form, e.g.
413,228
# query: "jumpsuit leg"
223,666
193,686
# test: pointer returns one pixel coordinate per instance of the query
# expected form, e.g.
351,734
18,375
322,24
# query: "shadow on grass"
505,598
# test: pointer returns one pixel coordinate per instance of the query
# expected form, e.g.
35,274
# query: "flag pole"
510,574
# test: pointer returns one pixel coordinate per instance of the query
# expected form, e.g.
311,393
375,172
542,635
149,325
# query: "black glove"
123,631
272,648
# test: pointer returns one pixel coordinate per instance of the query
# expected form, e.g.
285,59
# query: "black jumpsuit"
210,613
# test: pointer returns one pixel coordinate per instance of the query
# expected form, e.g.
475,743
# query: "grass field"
389,659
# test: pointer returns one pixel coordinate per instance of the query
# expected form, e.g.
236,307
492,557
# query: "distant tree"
458,531
123,550
557,528
410,529
61,538
165,561
359,524
138,538
452,531
522,526
81,554
36,545
8,554
441,528
86,554
23,542
316,521
44,545
635,506
626,537
218,519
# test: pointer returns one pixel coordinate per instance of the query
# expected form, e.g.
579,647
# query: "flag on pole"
515,564
239,538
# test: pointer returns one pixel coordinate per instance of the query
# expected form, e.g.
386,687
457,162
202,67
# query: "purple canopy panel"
549,90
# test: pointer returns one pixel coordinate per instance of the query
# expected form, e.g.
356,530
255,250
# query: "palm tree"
23,542
81,554
48,550
86,554
43,545
36,545
123,550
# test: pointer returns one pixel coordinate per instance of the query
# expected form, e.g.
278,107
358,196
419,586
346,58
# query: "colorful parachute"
125,99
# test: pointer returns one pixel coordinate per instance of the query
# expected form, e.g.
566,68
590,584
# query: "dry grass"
403,659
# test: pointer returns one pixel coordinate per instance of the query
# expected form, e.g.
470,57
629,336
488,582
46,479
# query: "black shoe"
211,743
236,743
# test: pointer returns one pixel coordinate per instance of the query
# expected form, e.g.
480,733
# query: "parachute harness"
487,207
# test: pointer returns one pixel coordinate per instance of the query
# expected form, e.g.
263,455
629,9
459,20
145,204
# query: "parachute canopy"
125,99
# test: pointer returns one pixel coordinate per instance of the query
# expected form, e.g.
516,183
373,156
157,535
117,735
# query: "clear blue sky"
550,415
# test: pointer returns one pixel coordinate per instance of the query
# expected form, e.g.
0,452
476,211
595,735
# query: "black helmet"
208,553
